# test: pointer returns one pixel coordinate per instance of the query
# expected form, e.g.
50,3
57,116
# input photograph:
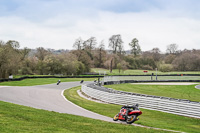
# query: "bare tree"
24,53
78,43
14,44
115,42
172,48
187,61
121,50
156,54
41,53
135,47
101,51
90,43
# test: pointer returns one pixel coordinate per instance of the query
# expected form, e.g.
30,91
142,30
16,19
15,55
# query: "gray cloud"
57,23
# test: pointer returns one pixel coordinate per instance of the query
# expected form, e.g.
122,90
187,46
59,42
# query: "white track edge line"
168,130
62,94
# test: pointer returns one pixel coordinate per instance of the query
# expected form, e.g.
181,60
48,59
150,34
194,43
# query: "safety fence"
144,81
164,104
150,78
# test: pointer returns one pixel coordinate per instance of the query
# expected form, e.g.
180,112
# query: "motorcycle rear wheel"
116,117
131,119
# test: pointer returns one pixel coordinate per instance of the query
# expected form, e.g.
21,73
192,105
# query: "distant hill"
59,51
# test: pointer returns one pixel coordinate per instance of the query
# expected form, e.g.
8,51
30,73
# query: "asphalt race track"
198,87
47,97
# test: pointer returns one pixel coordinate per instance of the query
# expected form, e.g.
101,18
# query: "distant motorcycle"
130,116
58,82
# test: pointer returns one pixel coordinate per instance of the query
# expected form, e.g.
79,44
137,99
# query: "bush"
25,71
147,67
165,67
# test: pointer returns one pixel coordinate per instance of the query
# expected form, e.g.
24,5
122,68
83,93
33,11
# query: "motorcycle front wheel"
131,119
115,118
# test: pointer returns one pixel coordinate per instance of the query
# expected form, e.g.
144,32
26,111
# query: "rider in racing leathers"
128,108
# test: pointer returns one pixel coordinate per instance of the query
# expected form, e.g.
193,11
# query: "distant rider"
58,82
82,81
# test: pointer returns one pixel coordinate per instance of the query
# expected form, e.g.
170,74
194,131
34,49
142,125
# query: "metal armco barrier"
173,106
108,80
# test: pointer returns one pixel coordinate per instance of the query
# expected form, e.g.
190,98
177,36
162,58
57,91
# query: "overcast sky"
57,23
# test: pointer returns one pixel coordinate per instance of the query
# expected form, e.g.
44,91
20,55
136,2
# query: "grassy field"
42,81
17,119
148,118
174,91
19,76
138,72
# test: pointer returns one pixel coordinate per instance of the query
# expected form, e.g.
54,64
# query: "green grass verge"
19,76
42,81
16,119
148,118
138,72
174,91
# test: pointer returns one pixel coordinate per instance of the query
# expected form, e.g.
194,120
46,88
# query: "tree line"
89,54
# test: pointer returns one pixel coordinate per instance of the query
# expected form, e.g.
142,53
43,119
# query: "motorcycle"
58,82
130,117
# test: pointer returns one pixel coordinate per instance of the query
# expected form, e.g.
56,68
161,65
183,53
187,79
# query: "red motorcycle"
130,116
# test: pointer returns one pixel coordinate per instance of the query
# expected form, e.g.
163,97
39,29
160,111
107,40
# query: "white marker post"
156,73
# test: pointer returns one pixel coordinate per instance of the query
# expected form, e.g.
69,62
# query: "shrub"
147,67
165,67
